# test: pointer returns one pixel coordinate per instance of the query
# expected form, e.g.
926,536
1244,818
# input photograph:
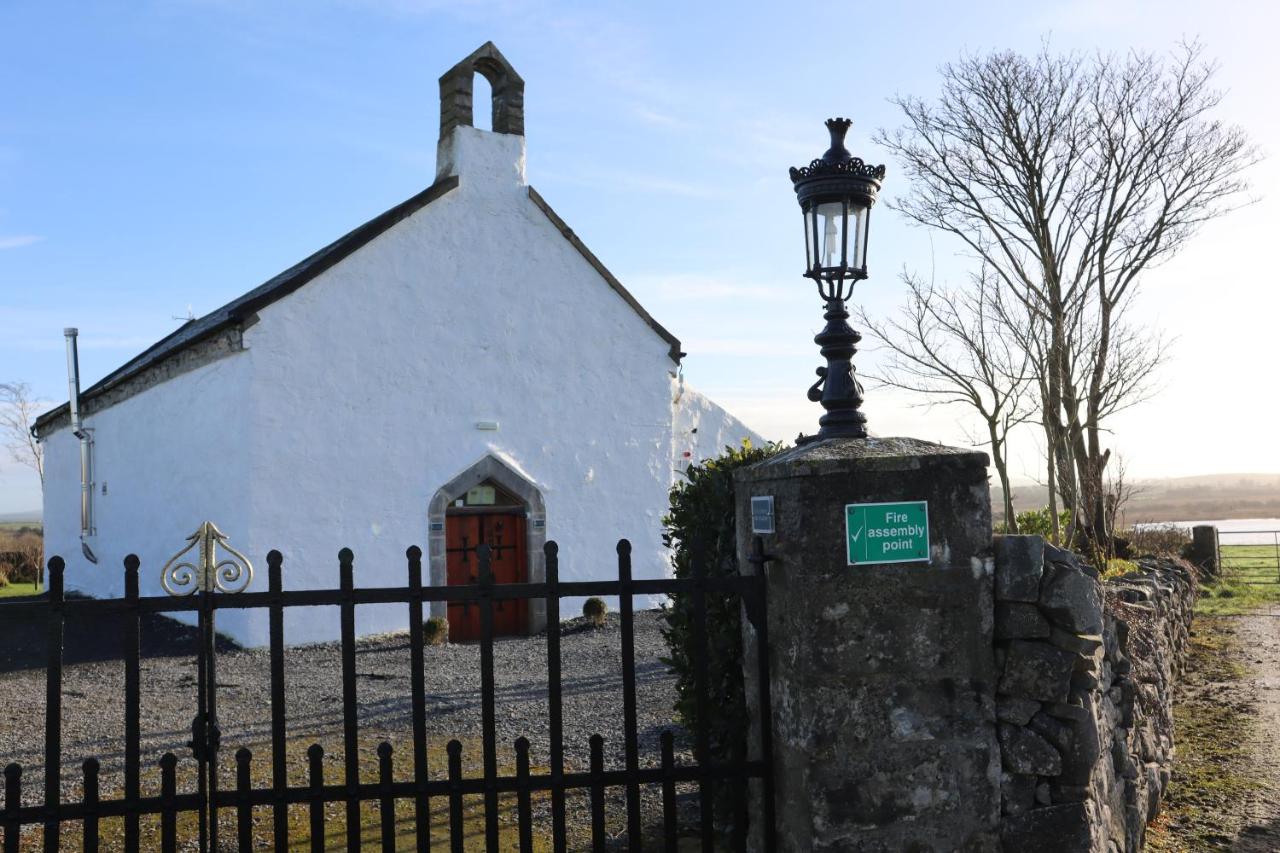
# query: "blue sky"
160,157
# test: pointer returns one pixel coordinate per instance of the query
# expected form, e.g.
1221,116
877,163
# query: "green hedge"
700,528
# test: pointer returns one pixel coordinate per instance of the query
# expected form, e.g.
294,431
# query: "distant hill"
1206,497
30,516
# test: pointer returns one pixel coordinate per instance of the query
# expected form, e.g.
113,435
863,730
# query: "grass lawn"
1250,580
16,589
473,816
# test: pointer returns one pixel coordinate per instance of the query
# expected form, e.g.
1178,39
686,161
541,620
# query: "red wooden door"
505,536
504,533
462,534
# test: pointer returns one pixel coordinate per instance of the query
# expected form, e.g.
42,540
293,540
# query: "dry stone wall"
1087,672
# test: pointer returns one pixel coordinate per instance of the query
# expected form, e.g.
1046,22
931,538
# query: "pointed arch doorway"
490,503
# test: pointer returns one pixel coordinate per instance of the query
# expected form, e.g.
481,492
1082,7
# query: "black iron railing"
208,802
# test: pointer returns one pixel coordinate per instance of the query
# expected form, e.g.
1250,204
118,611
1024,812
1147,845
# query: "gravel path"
592,693
1260,640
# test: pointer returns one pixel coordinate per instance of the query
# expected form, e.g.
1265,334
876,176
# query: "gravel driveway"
592,694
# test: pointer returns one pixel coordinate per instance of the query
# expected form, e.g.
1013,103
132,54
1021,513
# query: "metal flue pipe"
86,440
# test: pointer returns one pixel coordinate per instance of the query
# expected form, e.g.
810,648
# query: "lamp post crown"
838,127
837,161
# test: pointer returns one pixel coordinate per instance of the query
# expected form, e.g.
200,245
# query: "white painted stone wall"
715,428
358,396
167,459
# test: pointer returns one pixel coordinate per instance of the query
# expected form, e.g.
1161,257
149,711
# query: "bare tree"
1137,354
1119,491
1069,177
951,346
18,413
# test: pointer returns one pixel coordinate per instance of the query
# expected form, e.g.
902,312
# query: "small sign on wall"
482,496
887,532
762,514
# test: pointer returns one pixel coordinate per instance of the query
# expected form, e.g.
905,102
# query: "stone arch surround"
490,467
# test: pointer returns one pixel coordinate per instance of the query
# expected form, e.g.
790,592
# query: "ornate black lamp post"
836,193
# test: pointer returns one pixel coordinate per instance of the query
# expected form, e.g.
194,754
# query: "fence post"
53,709
879,638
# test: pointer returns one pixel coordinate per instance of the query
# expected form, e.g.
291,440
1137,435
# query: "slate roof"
239,310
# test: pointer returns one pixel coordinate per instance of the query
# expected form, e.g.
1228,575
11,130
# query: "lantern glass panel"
861,216
808,240
831,235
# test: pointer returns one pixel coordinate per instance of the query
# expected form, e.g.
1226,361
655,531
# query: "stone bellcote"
507,86
466,151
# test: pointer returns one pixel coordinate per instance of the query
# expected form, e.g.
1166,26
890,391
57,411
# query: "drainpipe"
86,444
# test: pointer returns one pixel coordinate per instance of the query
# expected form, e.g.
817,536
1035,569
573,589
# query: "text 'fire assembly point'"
887,533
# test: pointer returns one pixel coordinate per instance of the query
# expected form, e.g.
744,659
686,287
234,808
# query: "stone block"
1052,829
1016,709
1016,621
1083,644
1082,753
1054,554
1153,791
1036,671
1068,793
1017,792
1019,566
1068,711
1083,681
1072,598
1053,730
1024,751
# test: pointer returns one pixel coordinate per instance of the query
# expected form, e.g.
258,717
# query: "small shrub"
4,577
595,609
1038,522
1158,540
435,631
22,552
1117,567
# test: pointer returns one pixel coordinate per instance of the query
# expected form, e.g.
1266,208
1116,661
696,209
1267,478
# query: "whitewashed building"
406,384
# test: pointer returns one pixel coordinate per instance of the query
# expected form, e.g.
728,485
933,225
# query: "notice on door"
887,532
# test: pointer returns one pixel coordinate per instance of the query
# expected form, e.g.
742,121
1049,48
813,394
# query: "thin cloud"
624,181
658,119
17,241
686,287
54,342
698,345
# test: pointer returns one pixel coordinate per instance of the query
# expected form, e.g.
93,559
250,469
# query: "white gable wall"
368,383
358,395
169,457
703,430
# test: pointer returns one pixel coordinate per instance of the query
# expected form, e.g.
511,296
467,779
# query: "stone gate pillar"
881,673
1205,550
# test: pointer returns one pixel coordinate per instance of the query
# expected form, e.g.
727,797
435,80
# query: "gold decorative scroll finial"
209,574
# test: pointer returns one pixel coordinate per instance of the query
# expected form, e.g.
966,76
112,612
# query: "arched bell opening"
506,89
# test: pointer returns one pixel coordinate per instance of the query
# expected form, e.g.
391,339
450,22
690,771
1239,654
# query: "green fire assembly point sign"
887,533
